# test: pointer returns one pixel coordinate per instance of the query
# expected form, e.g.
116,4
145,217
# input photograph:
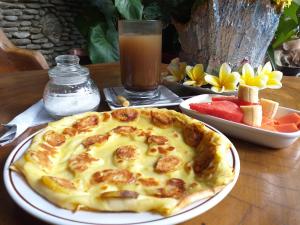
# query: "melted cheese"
78,174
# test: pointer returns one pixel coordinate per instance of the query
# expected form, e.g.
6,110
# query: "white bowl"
242,131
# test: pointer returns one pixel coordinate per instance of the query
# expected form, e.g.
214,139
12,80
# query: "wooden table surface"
268,188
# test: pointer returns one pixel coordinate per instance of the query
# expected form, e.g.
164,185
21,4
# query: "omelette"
137,160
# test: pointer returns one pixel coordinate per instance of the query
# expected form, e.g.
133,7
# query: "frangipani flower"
227,80
249,77
177,69
281,4
273,77
196,74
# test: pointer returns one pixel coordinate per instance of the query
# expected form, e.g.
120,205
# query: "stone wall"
44,25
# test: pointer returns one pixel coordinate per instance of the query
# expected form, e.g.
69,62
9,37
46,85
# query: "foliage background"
99,18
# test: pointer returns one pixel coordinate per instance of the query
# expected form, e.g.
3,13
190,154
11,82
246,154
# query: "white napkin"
34,115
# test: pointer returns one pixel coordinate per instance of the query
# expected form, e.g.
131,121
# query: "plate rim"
173,219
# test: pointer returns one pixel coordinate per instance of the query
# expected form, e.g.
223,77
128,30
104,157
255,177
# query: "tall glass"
140,57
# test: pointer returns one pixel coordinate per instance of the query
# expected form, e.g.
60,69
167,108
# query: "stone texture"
4,23
36,36
44,25
21,34
33,46
47,45
21,41
25,23
10,29
26,17
12,12
6,5
11,18
24,28
35,30
33,5
40,41
31,11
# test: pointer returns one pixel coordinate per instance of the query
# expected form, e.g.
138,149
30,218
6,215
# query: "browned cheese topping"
125,115
119,194
175,188
167,164
70,131
53,138
203,161
62,182
127,152
113,176
192,135
99,139
80,162
161,120
148,181
125,130
160,140
84,124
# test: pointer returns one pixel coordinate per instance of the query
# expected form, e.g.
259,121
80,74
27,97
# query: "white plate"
242,131
39,207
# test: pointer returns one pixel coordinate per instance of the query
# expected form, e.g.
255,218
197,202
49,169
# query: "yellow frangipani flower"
283,3
249,77
177,69
196,75
273,77
227,80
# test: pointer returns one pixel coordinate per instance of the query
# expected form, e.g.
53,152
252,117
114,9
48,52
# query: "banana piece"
252,115
248,93
269,107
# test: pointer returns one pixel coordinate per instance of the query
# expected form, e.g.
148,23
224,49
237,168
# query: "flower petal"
232,78
224,70
217,89
189,82
274,84
212,80
275,75
189,72
247,72
267,68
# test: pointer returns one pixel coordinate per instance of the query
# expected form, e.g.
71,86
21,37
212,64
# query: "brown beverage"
140,57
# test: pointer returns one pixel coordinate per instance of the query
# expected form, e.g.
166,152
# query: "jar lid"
67,67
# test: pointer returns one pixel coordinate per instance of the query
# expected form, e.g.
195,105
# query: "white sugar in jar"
70,89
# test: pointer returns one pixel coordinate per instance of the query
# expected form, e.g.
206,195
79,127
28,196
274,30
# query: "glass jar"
70,89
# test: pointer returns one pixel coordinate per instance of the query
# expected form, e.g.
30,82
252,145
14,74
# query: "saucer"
165,98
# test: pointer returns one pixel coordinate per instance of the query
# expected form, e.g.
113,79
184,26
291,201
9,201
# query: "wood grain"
268,188
17,59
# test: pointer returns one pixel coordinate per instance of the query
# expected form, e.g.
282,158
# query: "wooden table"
268,188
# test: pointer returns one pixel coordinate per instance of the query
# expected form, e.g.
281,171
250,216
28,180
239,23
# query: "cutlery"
10,134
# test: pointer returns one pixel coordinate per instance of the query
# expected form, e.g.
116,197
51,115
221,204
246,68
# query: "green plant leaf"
291,12
103,44
152,11
107,8
288,25
130,9
89,17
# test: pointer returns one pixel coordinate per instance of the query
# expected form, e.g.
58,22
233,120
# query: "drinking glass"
140,57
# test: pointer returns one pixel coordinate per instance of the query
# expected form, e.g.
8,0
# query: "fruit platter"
247,116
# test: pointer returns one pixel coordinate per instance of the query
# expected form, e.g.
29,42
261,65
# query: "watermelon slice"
233,99
223,109
286,127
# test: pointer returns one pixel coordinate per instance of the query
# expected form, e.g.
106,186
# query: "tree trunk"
228,31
